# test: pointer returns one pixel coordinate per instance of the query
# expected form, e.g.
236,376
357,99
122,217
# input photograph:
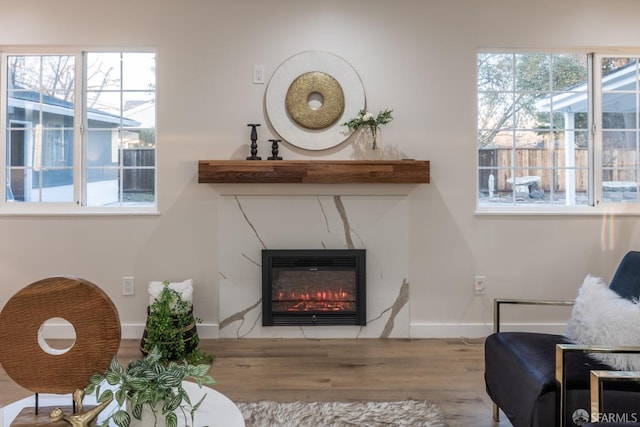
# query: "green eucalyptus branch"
367,119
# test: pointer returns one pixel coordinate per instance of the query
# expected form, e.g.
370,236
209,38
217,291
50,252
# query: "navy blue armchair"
543,380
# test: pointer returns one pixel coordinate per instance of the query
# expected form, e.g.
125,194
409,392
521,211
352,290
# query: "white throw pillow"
602,317
185,288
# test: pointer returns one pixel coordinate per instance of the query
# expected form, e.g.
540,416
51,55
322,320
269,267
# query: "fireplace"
313,287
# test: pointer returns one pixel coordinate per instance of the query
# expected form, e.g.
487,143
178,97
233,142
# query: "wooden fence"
620,166
138,180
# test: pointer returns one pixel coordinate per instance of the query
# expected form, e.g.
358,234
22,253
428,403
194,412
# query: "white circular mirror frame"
286,73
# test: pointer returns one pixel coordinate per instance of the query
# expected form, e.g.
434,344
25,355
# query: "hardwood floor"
448,372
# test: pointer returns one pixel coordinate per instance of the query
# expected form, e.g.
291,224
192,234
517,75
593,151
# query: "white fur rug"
342,414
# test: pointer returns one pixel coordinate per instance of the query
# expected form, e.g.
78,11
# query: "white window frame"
595,153
80,129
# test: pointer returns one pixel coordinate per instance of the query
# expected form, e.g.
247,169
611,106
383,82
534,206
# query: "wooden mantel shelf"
313,171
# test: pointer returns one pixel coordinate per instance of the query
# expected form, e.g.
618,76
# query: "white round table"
216,409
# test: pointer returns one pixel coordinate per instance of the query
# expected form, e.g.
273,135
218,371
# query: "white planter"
148,418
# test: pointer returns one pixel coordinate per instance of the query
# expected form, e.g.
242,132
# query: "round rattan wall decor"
81,303
310,95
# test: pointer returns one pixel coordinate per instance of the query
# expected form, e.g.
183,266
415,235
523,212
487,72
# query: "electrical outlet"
128,286
479,285
258,74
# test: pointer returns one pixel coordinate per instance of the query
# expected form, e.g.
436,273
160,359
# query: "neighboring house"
40,133
144,112
619,108
617,85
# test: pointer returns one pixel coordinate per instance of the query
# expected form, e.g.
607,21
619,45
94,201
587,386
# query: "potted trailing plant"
151,387
171,327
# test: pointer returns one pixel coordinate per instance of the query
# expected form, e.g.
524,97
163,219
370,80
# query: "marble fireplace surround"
377,223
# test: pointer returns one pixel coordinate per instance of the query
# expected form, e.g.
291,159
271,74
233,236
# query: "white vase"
148,418
365,143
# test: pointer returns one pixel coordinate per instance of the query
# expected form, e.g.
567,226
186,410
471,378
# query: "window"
557,130
79,130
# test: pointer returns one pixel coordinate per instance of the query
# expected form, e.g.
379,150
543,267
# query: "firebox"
314,287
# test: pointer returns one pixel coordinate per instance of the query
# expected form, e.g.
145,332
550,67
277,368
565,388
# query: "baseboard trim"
205,331
416,330
129,331
477,330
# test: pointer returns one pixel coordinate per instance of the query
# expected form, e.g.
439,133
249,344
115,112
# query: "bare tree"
55,76
509,86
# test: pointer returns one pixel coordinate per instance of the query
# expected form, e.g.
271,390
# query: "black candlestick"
254,144
274,150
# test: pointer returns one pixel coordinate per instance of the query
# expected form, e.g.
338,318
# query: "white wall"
417,57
